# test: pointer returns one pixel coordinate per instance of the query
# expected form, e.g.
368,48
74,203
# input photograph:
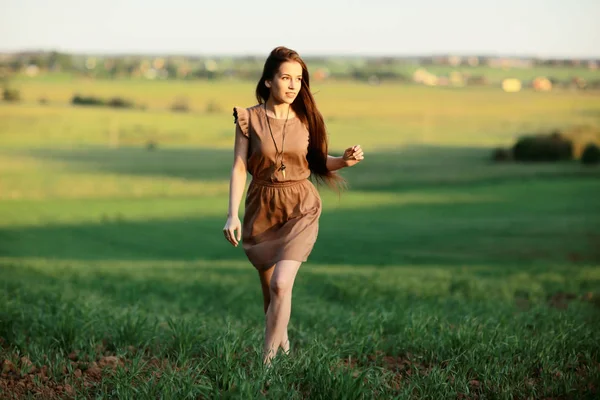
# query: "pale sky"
543,28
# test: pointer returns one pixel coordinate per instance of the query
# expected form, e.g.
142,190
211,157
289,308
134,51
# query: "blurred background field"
463,262
437,260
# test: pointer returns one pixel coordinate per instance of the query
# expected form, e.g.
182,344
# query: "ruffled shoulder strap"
240,116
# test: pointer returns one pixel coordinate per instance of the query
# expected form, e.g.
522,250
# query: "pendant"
282,169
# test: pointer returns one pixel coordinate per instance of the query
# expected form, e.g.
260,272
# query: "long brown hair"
306,109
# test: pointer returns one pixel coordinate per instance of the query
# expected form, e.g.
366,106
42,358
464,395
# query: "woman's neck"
279,110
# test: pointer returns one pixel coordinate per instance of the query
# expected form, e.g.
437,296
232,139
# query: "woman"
281,142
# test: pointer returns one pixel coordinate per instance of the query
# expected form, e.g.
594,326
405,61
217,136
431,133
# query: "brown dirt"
399,367
19,381
23,379
560,300
405,365
402,367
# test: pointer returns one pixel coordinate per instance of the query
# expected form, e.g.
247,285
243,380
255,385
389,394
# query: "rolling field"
438,274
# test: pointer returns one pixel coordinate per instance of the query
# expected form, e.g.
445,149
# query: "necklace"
278,154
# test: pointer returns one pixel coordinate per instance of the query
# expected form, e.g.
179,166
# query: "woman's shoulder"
249,109
254,110
245,112
243,117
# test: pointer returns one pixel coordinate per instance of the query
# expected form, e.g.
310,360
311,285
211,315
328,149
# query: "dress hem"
265,267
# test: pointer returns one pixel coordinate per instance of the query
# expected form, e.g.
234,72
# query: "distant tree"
591,155
552,147
60,61
16,65
87,100
119,102
118,68
171,69
12,95
39,60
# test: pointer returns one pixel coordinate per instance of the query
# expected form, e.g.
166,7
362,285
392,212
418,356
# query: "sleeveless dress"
281,218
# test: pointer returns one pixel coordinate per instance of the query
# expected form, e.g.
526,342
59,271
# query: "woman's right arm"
237,183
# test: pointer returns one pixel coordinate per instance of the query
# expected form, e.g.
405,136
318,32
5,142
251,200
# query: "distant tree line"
575,143
372,69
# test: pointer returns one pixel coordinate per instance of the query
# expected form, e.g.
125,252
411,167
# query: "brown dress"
281,219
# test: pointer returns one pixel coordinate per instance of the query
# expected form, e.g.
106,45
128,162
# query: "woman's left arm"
335,163
352,156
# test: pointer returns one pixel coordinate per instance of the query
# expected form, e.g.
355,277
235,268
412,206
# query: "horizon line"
307,54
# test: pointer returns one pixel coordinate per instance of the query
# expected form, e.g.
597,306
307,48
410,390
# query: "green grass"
437,275
444,325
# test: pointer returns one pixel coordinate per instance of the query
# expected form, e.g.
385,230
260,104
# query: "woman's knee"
283,277
280,286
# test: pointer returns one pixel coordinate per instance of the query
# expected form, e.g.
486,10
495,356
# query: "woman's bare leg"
280,306
265,282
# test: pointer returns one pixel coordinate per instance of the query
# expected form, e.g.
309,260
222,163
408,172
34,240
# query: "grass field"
437,275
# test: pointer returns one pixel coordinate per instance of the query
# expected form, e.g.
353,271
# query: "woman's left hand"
353,155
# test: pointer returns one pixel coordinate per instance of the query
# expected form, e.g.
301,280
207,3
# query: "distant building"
32,70
542,84
511,85
423,76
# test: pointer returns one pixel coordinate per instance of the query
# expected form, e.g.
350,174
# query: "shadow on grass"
476,229
453,233
397,170
192,164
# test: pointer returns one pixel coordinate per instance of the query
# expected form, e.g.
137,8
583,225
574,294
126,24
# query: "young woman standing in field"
281,142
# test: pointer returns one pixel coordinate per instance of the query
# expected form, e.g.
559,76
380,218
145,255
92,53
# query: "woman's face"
286,83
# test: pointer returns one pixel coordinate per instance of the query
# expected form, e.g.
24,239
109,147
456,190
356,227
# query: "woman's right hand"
233,230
